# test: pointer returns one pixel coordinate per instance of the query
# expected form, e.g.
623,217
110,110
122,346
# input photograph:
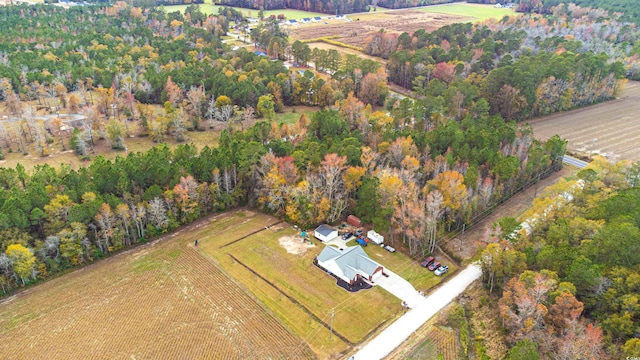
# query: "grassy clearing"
291,117
476,11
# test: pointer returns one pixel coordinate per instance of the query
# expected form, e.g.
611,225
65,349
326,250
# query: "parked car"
359,232
361,242
434,265
441,270
388,248
347,235
428,261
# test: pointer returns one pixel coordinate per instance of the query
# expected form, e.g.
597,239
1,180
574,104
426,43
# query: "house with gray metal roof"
349,264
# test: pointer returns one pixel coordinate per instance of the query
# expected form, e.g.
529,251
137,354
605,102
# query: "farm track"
160,301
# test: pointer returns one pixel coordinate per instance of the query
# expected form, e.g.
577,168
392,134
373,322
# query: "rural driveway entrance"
399,331
400,288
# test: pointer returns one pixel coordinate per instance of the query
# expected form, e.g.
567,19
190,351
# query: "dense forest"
576,264
524,66
628,9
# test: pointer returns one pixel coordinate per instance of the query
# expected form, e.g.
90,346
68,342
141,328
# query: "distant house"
497,5
292,21
317,18
340,16
260,53
306,20
325,233
350,264
252,20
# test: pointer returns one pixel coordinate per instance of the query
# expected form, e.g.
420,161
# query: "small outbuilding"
325,233
350,264
354,221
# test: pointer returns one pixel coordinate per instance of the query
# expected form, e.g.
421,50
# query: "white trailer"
375,237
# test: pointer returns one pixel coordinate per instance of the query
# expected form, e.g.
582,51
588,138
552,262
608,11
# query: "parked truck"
375,237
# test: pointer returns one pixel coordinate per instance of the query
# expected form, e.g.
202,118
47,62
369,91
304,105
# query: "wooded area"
576,265
524,66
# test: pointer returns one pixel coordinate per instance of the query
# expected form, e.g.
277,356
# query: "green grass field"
479,12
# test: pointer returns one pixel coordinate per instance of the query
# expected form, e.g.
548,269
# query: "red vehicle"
433,266
428,261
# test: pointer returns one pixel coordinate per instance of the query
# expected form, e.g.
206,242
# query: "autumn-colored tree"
565,311
508,102
445,71
326,96
352,110
57,212
173,91
451,184
499,262
72,241
22,260
523,303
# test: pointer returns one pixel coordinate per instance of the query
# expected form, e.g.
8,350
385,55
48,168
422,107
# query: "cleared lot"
611,129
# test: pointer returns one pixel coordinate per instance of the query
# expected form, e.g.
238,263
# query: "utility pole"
331,326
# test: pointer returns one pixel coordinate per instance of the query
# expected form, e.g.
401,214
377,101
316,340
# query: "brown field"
611,129
162,300
344,51
355,32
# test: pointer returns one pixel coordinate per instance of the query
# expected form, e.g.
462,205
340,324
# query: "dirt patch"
343,50
294,246
610,129
356,31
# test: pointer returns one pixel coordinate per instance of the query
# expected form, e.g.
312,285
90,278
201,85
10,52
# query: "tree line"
322,6
569,279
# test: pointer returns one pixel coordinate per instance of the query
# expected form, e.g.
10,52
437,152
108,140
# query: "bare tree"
157,213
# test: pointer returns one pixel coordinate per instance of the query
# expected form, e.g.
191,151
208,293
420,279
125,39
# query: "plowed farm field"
610,129
162,300
355,32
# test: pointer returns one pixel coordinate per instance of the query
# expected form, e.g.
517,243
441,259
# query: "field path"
611,129
401,329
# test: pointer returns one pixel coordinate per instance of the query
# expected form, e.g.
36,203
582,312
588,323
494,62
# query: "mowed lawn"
476,11
356,314
422,279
